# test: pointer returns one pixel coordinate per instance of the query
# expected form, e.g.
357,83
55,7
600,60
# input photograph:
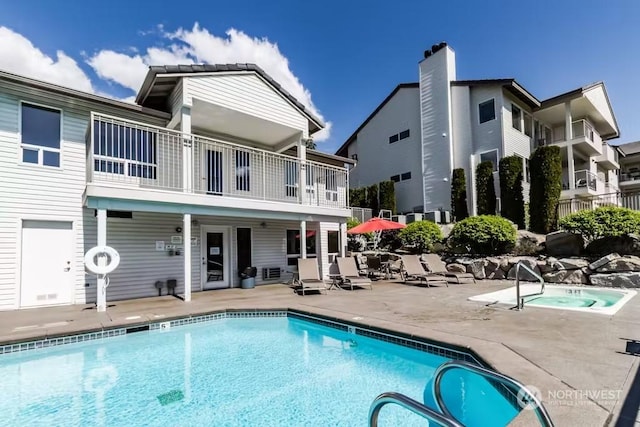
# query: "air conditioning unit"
413,217
269,273
433,216
401,219
445,216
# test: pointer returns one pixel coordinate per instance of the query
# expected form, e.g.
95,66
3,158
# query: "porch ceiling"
221,120
580,108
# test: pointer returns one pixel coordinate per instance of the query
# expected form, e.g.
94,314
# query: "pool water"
233,372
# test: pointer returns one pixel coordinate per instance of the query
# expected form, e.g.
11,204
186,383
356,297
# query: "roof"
510,84
62,90
343,147
629,148
154,93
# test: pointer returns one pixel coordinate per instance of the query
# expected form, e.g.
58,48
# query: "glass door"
215,258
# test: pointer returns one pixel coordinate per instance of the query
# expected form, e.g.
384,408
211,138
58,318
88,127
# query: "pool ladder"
442,416
520,299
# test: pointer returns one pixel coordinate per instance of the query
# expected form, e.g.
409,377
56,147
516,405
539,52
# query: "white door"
215,257
46,266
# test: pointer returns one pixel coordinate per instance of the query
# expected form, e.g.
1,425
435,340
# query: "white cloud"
18,55
198,45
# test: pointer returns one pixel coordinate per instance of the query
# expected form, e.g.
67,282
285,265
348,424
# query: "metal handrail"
410,404
519,300
523,392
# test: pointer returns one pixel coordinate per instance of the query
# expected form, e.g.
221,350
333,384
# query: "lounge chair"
437,266
309,276
349,271
412,269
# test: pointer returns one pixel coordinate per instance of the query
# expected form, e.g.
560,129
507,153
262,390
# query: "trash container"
248,278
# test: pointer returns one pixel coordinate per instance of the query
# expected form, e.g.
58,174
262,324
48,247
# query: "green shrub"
358,197
390,240
388,196
421,235
459,195
483,235
602,222
546,184
510,170
485,190
372,198
356,242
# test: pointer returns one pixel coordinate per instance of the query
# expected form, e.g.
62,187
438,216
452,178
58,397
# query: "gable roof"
629,148
509,84
154,93
341,151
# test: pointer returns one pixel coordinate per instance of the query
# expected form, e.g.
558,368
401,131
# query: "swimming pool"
587,299
275,371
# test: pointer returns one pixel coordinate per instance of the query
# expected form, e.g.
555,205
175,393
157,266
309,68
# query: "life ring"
90,259
101,379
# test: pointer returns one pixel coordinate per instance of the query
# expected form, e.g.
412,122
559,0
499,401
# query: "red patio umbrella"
375,224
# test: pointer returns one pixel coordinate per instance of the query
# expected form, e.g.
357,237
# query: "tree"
372,199
546,184
388,196
485,189
459,195
358,197
511,170
311,144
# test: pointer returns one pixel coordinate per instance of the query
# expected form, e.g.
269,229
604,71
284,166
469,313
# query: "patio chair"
349,272
437,266
361,263
373,266
309,276
413,270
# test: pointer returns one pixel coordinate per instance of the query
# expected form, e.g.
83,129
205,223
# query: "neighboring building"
630,167
207,175
423,130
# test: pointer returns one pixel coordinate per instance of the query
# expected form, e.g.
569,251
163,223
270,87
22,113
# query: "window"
528,124
291,178
395,178
490,156
40,128
331,185
124,150
405,176
404,134
516,117
243,171
293,245
393,138
311,182
487,111
525,168
333,246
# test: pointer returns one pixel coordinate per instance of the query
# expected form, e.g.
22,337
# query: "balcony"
629,179
586,183
586,138
130,155
609,157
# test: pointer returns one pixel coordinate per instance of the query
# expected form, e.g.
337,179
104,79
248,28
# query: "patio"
553,350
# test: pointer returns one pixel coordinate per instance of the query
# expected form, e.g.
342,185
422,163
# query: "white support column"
571,167
302,155
303,239
187,150
186,231
101,300
568,129
343,239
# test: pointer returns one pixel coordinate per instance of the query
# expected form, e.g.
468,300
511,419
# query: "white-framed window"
333,242
487,111
331,185
291,178
293,245
41,133
490,156
243,170
526,175
131,151
516,117
528,124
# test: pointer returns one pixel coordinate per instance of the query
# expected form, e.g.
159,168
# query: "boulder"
616,280
456,268
533,237
621,265
555,276
566,276
572,263
562,243
497,274
464,260
492,265
524,274
602,261
628,244
477,268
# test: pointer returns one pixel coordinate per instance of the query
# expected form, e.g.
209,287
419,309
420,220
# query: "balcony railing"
630,173
126,153
584,129
587,179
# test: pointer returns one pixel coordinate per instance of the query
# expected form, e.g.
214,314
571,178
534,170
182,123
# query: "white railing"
361,214
585,178
126,153
583,129
627,200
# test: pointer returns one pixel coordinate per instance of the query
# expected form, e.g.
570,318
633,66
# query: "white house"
206,175
424,130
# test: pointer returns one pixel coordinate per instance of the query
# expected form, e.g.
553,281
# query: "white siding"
176,99
379,161
436,74
30,191
515,141
246,93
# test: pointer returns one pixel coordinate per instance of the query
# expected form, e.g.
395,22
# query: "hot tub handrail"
523,391
519,300
410,404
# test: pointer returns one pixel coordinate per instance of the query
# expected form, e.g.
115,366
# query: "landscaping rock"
616,280
497,274
456,268
628,244
464,260
566,276
524,274
555,276
603,261
544,266
477,268
492,265
534,237
562,243
621,265
572,263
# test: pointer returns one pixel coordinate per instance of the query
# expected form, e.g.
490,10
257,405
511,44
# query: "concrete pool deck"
577,360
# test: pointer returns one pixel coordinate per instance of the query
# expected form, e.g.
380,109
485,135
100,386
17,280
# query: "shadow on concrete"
629,412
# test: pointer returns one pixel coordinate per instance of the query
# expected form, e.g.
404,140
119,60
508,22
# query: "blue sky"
344,56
